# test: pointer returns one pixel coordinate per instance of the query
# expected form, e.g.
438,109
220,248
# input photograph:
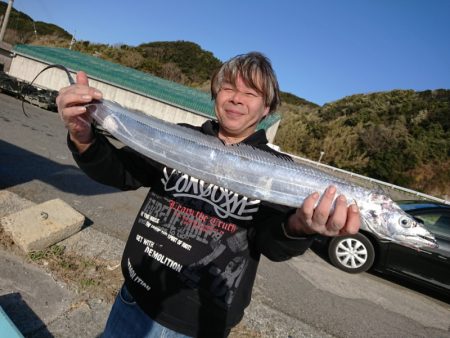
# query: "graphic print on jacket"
199,231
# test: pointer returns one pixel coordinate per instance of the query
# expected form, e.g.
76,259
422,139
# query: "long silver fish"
252,172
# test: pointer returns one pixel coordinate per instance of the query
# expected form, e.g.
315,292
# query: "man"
189,264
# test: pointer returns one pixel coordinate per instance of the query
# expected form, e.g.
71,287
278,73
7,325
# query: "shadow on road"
23,317
19,166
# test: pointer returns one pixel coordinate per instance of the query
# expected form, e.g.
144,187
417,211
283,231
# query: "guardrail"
371,180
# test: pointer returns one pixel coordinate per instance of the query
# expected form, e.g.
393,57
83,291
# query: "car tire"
353,254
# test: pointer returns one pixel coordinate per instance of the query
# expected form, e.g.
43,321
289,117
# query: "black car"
360,252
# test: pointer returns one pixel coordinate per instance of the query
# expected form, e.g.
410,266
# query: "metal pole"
5,20
72,42
321,155
35,31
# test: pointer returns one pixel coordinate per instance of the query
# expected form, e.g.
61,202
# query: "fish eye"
405,222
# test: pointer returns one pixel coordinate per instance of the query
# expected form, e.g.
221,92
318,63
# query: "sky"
321,50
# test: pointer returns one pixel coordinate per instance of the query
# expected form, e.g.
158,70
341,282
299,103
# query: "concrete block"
42,225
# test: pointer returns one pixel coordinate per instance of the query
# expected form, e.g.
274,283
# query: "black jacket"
191,258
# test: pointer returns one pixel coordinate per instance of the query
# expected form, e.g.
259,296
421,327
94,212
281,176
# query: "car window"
438,223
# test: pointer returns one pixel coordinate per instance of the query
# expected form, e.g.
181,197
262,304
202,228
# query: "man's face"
239,109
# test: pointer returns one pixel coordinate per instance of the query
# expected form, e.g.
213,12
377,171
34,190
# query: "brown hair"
256,72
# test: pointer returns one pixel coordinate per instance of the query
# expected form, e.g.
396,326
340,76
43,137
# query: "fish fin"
255,154
382,190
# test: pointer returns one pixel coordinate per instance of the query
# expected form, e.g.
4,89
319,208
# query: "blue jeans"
128,320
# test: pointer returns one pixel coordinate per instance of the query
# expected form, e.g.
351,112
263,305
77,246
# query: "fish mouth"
429,241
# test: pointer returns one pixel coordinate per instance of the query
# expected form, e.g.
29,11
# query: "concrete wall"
272,131
25,68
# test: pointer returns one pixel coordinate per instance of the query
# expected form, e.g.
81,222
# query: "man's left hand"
322,219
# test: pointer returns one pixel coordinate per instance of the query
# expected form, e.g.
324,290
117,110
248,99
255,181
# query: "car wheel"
351,254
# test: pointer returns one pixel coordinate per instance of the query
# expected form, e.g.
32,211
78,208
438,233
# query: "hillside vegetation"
401,136
23,29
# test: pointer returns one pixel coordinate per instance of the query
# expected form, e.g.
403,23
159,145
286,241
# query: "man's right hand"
71,108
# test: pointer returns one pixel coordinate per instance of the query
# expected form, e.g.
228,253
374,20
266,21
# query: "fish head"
386,219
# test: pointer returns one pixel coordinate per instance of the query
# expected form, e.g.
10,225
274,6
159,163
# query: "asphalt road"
317,299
